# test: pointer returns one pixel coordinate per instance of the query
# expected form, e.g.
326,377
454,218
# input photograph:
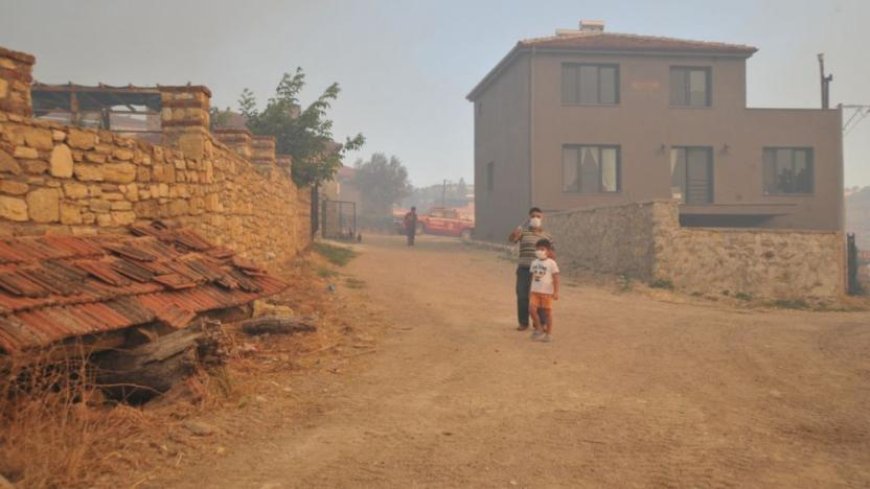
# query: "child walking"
545,290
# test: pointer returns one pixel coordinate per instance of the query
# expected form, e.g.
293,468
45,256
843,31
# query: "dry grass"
57,430
307,295
337,255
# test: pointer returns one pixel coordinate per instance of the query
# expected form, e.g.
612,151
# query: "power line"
859,112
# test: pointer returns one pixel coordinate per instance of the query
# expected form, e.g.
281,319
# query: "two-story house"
589,118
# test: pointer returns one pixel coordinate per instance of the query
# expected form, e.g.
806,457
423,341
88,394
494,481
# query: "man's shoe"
522,327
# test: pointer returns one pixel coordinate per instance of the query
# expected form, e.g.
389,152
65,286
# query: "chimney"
591,26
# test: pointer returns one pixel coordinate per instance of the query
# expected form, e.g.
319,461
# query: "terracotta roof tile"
57,287
102,270
174,315
175,281
220,252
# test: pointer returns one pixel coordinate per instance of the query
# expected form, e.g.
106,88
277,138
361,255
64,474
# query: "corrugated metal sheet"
57,287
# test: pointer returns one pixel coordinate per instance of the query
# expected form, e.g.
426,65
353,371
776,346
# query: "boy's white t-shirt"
542,275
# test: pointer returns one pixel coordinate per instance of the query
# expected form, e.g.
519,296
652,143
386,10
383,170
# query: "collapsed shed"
61,293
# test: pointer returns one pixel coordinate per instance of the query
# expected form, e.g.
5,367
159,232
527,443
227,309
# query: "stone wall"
64,180
15,79
645,241
754,263
613,239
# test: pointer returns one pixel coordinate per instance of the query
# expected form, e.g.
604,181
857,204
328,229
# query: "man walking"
527,236
410,222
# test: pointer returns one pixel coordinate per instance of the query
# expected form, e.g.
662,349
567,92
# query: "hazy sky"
406,66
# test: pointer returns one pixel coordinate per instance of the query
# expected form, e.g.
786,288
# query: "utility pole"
826,82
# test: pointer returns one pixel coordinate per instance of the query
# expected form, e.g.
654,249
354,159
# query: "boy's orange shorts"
541,301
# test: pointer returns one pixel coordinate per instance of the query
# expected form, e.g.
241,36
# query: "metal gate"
854,287
338,220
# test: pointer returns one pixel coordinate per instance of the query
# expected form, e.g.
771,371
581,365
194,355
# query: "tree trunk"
278,325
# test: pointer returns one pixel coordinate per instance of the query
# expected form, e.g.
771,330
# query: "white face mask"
535,222
541,254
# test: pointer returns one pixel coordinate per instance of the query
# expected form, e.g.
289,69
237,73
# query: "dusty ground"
634,392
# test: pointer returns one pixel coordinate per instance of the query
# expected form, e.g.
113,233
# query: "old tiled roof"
609,41
57,287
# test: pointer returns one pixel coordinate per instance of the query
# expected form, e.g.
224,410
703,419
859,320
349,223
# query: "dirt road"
633,392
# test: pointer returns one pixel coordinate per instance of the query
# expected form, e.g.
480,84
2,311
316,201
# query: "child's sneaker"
546,338
536,334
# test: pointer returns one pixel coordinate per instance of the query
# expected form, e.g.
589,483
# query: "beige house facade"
587,118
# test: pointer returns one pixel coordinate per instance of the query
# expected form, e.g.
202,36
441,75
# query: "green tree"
218,118
382,182
305,134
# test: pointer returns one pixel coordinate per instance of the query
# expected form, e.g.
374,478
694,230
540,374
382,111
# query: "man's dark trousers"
524,286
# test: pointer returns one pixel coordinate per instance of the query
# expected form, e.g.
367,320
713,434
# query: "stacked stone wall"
56,179
645,241
65,180
616,239
15,79
753,263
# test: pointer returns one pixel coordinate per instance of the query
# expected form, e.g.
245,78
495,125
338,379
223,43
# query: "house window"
692,174
691,87
788,171
490,176
590,84
590,169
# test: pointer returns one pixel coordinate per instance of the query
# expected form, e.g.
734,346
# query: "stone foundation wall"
613,239
754,263
65,180
645,241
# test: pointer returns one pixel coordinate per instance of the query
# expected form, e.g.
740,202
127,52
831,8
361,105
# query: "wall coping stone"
644,203
232,130
19,56
762,230
185,88
647,203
